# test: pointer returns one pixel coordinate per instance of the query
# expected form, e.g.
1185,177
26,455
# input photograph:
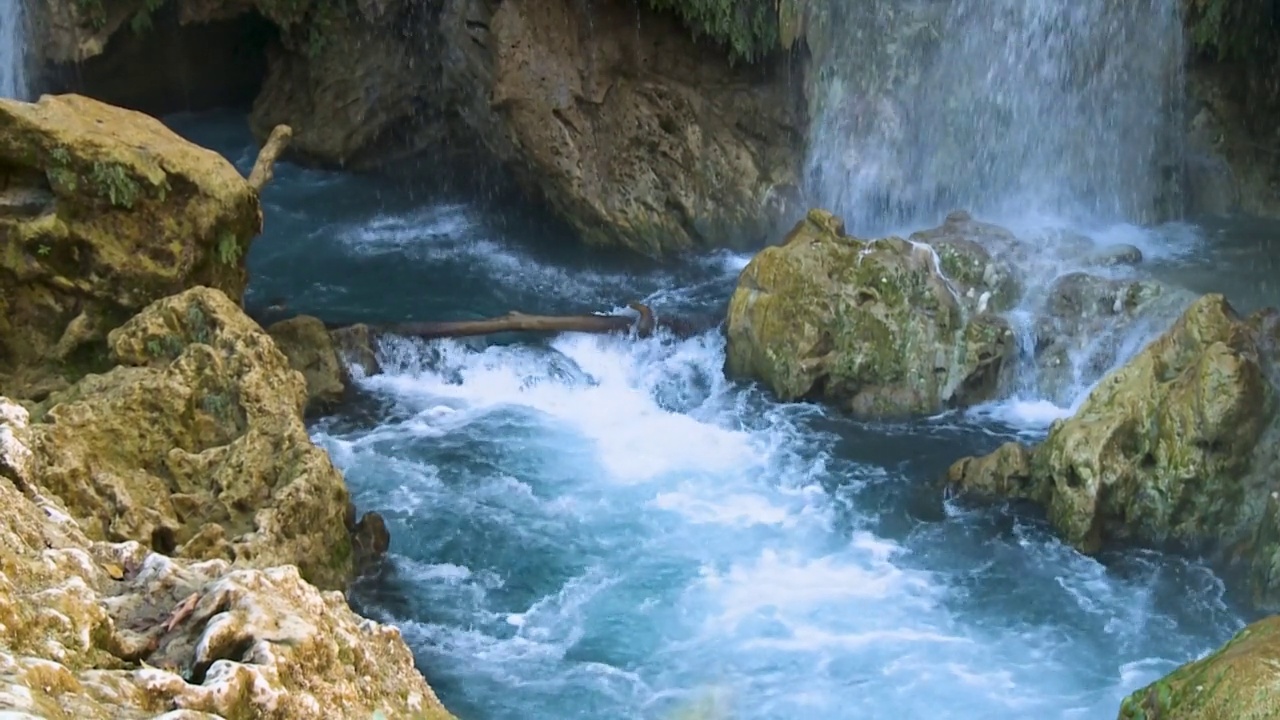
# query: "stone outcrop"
1236,682
102,211
99,631
1181,446
874,326
310,349
612,114
194,446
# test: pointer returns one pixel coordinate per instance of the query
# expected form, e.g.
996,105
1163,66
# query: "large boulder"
102,211
1181,446
102,631
194,446
1236,682
871,325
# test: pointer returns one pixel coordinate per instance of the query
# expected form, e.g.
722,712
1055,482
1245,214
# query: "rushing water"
1063,106
13,47
605,528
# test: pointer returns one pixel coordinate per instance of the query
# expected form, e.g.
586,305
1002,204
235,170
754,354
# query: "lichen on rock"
194,445
102,211
104,631
872,325
1177,447
1239,681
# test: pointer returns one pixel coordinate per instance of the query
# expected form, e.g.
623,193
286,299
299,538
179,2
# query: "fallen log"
644,324
521,322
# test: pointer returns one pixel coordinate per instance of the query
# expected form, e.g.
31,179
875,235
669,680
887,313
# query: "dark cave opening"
164,66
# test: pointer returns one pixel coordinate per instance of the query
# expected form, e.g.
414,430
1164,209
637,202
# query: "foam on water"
607,528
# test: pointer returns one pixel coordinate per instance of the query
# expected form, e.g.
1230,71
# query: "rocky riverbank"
173,540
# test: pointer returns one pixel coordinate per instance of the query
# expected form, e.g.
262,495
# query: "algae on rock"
1180,446
1239,681
194,445
102,211
873,325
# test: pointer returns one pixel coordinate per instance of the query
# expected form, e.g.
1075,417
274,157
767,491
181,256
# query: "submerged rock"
1236,682
103,631
194,446
103,211
1179,446
872,326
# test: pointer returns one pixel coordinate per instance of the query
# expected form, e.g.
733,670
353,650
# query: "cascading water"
13,48
1062,107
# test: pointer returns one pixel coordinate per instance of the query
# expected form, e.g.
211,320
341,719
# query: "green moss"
748,28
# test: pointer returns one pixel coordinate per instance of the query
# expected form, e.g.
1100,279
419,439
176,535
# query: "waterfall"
1062,107
13,47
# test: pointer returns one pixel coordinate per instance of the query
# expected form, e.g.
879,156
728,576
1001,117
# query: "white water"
1068,107
606,528
13,49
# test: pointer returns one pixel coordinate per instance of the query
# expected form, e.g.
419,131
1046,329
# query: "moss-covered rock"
1239,681
194,446
1180,446
870,325
103,211
98,631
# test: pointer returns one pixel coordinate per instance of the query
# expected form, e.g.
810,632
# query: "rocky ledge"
172,542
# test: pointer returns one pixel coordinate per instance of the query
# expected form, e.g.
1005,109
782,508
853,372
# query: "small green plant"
169,346
60,155
141,21
198,325
93,12
217,404
228,248
43,249
114,184
748,27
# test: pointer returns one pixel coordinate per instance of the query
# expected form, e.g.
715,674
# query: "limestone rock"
306,342
870,325
1179,446
103,631
356,347
103,211
194,446
632,131
1236,682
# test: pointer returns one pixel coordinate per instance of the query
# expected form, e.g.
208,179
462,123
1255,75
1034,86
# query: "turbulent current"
595,527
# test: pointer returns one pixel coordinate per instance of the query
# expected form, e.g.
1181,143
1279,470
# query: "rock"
355,345
194,446
1180,446
104,631
868,325
633,132
1084,321
307,344
1119,254
977,255
117,212
1236,682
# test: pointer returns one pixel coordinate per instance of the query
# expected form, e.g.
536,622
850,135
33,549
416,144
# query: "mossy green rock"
1180,446
869,325
1240,681
102,211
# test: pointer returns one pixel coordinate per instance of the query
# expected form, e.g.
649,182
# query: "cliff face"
612,114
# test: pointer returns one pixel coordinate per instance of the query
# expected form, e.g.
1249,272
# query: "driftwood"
264,168
521,322
644,324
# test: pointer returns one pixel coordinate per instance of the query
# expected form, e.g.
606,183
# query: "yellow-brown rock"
311,350
102,211
194,445
1179,446
99,631
870,325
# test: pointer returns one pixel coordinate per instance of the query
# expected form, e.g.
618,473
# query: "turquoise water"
595,527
